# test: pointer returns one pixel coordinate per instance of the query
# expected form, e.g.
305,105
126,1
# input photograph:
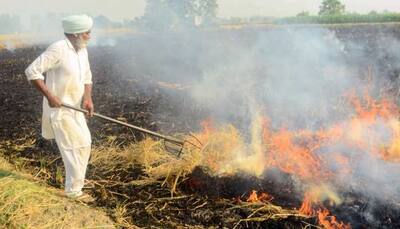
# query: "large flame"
373,129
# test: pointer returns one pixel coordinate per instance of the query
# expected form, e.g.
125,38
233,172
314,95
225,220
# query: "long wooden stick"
167,138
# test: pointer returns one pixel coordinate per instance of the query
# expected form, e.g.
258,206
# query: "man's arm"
43,63
87,102
53,100
87,99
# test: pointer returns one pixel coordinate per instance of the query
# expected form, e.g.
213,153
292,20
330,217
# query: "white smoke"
9,45
300,77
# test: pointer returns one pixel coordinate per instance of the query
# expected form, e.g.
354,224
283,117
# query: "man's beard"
81,43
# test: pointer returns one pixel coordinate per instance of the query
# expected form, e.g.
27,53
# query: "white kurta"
67,72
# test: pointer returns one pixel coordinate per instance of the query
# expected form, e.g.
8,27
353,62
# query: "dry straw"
25,203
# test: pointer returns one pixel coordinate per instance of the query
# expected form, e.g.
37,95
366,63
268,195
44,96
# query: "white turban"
77,24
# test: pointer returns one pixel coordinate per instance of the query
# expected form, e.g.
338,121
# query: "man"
68,80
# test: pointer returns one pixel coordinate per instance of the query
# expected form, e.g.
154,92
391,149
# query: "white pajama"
67,72
72,135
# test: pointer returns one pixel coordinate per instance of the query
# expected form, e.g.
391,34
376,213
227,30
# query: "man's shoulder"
58,44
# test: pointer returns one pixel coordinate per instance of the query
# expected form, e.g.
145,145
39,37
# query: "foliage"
331,7
163,15
345,18
303,14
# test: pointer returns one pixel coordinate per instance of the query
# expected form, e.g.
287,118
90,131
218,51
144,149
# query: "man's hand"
87,100
88,105
54,101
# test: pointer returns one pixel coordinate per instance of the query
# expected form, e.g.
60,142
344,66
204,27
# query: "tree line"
333,11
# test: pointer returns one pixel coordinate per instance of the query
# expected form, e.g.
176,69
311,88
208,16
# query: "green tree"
157,15
331,7
373,12
303,14
174,14
205,9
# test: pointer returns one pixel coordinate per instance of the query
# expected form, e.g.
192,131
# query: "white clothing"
75,162
77,24
67,72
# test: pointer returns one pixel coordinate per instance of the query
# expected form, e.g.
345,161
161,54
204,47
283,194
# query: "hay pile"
154,163
25,203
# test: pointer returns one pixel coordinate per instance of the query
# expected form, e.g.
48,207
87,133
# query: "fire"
290,157
325,218
298,152
306,207
330,222
392,151
316,195
373,113
263,197
313,206
225,151
311,156
370,108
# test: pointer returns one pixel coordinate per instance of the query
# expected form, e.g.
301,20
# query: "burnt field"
162,82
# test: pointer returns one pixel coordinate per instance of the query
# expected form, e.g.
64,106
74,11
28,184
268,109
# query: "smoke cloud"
300,78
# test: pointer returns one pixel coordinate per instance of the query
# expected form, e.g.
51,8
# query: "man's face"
82,39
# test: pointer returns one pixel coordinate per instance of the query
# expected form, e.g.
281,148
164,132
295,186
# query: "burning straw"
162,171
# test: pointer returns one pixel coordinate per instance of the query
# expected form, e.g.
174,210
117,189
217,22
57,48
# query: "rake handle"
167,138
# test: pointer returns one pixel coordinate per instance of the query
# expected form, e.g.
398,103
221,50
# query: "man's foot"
85,198
74,195
81,197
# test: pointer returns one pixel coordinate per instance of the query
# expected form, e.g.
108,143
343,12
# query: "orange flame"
263,197
330,222
306,207
312,206
311,156
296,152
299,152
293,158
207,128
253,197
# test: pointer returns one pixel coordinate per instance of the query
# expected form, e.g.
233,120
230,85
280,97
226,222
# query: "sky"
248,8
129,9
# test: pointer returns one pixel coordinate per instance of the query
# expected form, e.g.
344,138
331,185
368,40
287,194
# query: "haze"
129,9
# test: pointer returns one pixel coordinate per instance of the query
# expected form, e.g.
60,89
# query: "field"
147,80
